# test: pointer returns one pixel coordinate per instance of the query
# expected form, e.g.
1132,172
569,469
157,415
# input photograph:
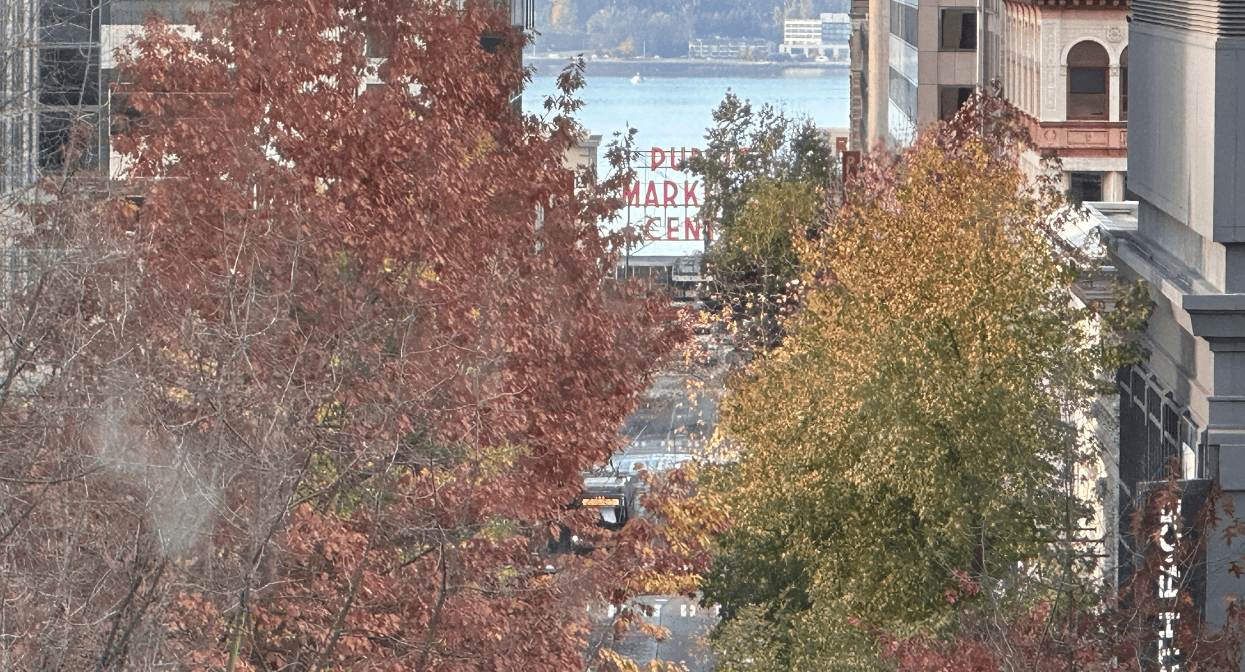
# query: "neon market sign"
663,203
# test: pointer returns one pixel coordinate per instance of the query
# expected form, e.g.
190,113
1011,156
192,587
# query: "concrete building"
1187,399
1065,65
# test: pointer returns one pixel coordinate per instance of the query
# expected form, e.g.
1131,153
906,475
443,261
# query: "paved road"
688,624
677,416
673,424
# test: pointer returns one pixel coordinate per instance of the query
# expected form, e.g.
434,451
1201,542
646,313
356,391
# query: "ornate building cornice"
1222,18
1076,4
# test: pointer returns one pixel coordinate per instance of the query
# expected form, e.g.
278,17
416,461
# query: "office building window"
903,93
69,75
951,99
1087,81
904,22
1085,187
54,126
1157,433
959,30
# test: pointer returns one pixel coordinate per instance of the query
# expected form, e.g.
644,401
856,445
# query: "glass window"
1087,81
903,93
1124,85
1088,187
69,75
959,30
951,99
904,22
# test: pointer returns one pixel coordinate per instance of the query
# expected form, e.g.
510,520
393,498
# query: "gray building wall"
1187,89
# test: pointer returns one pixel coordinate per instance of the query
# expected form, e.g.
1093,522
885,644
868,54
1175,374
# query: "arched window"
1087,81
1124,85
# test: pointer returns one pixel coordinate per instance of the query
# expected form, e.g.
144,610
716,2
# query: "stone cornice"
1076,4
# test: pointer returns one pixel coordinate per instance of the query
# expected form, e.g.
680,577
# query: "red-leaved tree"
347,352
1155,622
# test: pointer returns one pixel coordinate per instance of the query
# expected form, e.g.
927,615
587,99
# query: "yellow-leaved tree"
906,453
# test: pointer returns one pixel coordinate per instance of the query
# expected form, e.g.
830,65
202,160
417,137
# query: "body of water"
671,112
675,111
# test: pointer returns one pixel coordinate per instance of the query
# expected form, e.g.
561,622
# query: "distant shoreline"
685,67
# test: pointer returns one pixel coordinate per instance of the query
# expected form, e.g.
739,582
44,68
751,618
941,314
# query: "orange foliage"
345,377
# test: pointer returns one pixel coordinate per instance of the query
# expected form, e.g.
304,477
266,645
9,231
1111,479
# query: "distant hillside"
663,27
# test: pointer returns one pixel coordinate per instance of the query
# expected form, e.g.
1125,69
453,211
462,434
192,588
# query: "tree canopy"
766,178
910,437
343,350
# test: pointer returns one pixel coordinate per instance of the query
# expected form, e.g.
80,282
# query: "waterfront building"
730,47
828,35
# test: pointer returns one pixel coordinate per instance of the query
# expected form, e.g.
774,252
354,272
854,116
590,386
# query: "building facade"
1186,401
1065,66
932,62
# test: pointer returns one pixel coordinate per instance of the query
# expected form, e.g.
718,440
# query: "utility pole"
879,64
981,46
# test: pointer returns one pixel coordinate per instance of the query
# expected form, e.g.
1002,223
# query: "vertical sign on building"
1180,581
1167,653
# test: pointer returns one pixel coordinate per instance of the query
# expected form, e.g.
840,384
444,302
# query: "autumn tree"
912,432
325,405
1155,621
765,176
